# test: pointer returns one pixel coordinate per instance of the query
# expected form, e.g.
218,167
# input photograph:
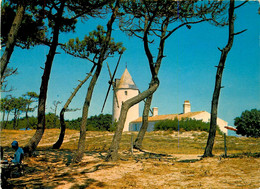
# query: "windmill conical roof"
126,81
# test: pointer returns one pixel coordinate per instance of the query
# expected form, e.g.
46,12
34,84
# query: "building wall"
205,117
133,112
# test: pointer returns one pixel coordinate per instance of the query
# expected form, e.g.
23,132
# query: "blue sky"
187,72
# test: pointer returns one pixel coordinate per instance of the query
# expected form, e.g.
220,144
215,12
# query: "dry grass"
52,169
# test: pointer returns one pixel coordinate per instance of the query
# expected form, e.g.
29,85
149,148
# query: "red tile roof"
168,116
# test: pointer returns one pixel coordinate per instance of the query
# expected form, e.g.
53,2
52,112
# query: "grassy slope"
158,142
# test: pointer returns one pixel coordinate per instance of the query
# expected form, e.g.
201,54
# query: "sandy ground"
50,168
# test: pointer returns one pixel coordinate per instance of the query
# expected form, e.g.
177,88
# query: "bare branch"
241,4
184,24
220,49
46,42
154,32
136,35
84,57
239,32
133,32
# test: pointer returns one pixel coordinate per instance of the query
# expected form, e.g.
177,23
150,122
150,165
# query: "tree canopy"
90,47
32,30
248,124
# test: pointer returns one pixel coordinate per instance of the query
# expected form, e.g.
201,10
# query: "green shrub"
21,123
183,124
113,127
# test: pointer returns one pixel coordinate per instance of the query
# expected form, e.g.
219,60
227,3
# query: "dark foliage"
102,122
182,125
248,124
32,29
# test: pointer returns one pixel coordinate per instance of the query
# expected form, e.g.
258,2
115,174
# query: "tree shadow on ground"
87,183
49,168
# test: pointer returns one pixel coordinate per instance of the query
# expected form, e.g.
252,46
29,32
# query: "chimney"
186,107
155,111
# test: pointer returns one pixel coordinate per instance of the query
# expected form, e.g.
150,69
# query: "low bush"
102,122
183,124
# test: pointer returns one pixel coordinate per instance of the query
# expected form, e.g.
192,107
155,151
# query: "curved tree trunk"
58,144
33,143
140,137
113,150
27,118
12,36
81,144
216,93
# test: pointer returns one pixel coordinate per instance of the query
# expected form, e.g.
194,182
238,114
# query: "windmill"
114,87
111,83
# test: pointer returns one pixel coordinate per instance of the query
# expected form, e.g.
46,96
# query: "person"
18,155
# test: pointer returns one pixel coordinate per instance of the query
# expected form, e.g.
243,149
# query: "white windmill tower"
125,88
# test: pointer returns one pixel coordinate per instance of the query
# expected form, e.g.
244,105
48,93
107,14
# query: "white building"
135,125
125,89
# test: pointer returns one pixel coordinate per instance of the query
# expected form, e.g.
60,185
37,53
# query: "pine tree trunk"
139,139
18,119
7,117
3,121
12,36
33,143
81,145
113,150
216,93
82,139
27,119
58,144
3,118
15,118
